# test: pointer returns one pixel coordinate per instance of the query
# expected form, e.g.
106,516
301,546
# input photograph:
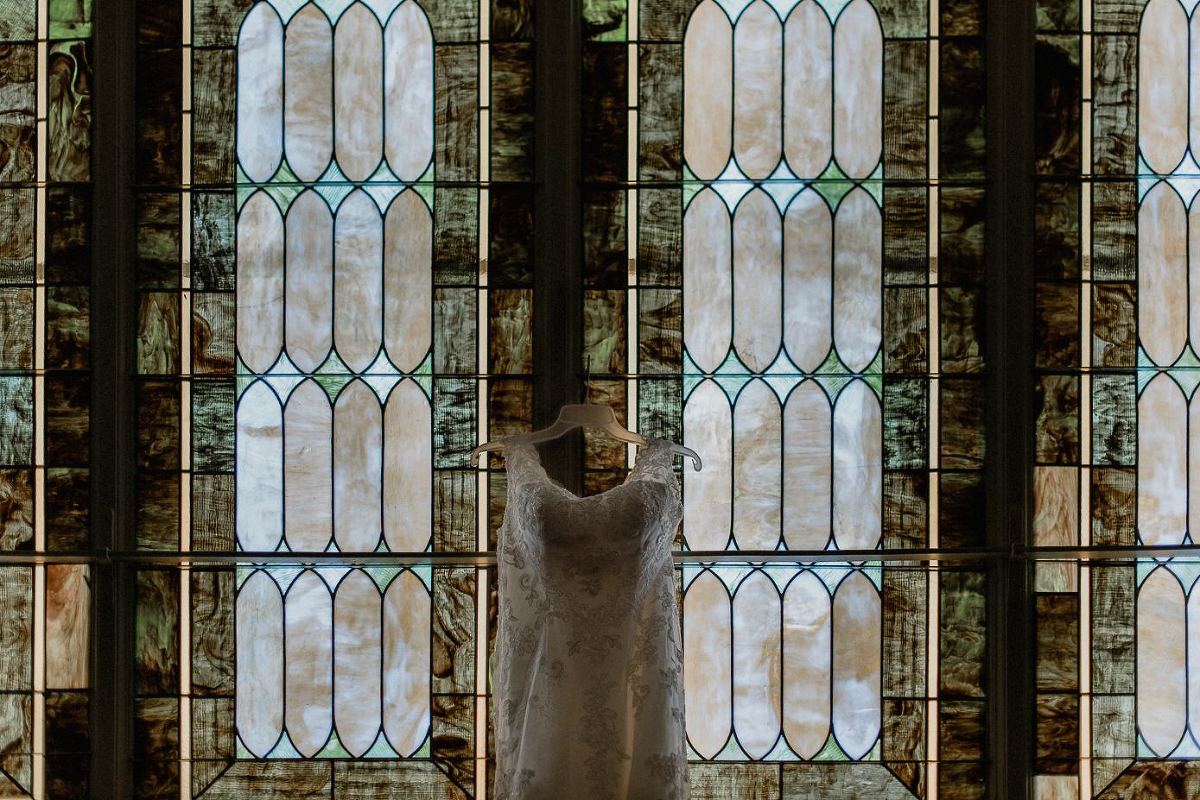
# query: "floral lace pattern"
589,668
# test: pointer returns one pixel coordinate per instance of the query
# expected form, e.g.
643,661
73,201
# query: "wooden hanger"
583,415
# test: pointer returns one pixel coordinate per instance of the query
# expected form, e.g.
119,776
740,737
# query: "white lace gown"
588,672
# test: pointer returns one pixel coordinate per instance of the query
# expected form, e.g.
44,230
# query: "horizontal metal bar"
681,557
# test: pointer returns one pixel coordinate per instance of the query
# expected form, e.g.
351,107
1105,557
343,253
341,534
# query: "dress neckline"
634,471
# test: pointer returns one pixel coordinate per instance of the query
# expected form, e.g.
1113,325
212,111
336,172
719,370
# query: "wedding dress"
588,671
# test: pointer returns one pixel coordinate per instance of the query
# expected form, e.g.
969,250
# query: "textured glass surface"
45,395
317,335
773,279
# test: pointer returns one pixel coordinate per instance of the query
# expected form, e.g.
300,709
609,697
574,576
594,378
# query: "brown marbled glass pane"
660,331
213,328
1114,231
1058,105
961,320
272,780
67,503
905,598
157,632
961,509
510,251
16,420
963,212
213,241
1114,506
454,331
1114,324
158,333
455,236
512,111
905,330
905,509
510,407
1057,641
660,408
68,327
962,109
16,510
16,717
605,103
660,237
905,107
961,730
18,75
604,330
67,407
1114,419
452,734
905,423
512,19
212,512
815,779
16,328
159,99
454,498
712,781
905,243
962,635
213,426
213,115
1057,734
1056,231
903,741
660,109
1114,103
1057,406
1117,16
453,20
68,745
962,435
453,630
1113,634
961,17
605,261
212,655
1057,325
510,339
16,634
158,240
158,511
1058,15
69,112
212,739
456,115
156,747
664,21
216,22
454,431
68,234
158,425
16,232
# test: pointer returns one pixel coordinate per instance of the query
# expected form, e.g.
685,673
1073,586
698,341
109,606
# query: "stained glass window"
45,395
319,332
783,256
1127,403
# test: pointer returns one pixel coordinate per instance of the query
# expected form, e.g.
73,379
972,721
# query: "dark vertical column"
557,269
112,506
1010,232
